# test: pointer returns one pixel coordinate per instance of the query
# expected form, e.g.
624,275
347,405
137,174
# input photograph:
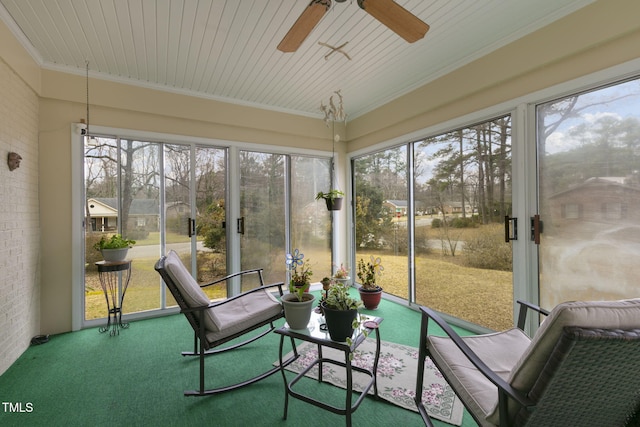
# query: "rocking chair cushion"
473,387
621,314
192,293
226,318
241,313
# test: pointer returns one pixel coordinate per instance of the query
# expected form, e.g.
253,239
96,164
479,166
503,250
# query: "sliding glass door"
174,196
462,187
262,221
150,192
278,212
381,217
589,200
434,212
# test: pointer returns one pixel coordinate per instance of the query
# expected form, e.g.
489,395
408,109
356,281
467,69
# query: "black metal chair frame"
202,347
574,342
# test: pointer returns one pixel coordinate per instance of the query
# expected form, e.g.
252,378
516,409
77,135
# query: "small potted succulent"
342,274
370,291
333,199
298,303
114,248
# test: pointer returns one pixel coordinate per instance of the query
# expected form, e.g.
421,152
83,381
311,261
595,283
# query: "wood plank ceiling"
226,49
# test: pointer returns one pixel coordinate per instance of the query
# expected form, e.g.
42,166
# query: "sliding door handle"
191,225
508,236
536,229
240,225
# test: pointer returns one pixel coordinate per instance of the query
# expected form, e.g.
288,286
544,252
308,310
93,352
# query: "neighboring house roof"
138,206
98,207
397,203
611,181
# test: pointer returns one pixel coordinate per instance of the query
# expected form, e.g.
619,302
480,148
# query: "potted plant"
333,198
370,291
298,303
342,274
114,248
341,312
326,284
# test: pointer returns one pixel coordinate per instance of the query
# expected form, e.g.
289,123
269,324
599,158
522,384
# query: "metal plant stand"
110,274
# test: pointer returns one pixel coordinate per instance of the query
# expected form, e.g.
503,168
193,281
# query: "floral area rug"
397,369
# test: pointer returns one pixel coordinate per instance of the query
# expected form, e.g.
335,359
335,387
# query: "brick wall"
19,218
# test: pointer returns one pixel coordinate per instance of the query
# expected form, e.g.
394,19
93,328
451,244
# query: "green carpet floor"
137,379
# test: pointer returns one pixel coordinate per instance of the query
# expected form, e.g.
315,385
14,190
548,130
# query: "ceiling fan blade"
396,18
304,25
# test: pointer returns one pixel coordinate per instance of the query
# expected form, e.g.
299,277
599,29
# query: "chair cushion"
242,313
623,314
500,351
192,293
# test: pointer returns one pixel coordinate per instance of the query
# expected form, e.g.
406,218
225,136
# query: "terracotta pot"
306,286
339,322
370,299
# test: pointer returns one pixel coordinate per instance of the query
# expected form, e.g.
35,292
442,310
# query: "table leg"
349,387
284,378
319,363
375,364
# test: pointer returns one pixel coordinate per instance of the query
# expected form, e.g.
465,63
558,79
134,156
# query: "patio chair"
217,323
579,369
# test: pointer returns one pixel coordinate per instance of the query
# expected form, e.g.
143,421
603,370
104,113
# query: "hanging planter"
334,204
333,198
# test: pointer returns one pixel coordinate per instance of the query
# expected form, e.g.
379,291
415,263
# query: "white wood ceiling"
226,49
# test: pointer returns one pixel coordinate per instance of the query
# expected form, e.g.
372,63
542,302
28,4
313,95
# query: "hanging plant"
333,198
332,113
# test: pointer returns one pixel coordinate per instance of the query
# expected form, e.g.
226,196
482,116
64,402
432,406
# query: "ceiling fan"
388,12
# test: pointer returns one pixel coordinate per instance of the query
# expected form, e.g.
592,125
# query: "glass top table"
316,333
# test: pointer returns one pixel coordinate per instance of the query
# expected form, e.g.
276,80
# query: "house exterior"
611,200
144,214
451,208
397,207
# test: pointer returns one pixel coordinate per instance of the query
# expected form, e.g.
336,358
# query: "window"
448,228
588,156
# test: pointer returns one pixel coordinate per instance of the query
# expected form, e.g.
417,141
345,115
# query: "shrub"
488,250
436,223
137,234
462,223
92,256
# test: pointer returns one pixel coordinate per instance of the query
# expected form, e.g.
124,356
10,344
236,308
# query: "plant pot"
370,299
339,322
114,255
334,204
344,280
306,286
297,313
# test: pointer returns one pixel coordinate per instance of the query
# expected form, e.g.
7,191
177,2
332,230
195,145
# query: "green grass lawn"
443,282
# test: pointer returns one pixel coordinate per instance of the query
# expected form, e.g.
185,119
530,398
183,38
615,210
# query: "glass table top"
316,327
